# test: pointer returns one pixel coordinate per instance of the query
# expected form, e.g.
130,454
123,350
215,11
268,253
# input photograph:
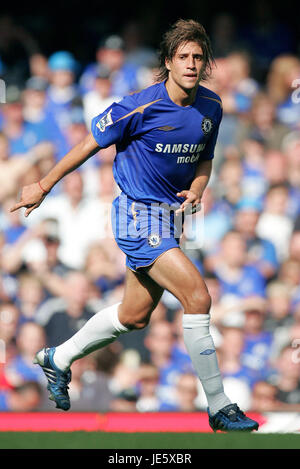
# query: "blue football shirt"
159,143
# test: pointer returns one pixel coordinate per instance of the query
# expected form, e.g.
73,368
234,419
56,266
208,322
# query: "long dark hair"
181,32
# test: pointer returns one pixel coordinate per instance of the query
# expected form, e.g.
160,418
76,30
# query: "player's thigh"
175,272
141,296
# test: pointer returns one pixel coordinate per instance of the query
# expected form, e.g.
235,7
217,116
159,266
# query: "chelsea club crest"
154,240
207,125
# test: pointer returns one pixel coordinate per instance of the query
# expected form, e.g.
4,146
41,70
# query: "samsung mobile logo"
179,147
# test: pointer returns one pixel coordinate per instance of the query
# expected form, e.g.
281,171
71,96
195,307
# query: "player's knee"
134,321
140,324
137,323
198,302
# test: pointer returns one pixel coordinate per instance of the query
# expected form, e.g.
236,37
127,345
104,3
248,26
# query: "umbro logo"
208,351
166,128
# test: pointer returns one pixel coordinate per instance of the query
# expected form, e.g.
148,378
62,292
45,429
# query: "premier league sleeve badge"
105,121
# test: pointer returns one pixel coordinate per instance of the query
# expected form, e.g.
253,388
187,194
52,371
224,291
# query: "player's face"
185,68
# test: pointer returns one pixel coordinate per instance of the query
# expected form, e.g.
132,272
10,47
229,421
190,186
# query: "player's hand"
191,204
31,197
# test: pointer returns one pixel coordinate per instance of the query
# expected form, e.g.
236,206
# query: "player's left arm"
194,194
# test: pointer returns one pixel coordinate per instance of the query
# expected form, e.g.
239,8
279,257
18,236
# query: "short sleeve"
118,122
208,152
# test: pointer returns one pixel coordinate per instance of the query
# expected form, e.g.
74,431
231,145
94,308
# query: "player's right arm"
33,195
119,120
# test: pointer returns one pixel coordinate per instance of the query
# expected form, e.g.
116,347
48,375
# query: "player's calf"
201,349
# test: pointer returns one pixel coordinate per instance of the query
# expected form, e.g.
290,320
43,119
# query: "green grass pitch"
100,440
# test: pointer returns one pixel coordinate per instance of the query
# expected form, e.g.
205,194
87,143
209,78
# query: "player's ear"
167,64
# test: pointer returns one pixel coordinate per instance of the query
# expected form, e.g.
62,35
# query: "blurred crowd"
61,265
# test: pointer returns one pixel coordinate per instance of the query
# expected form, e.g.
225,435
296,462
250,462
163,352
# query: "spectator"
106,184
220,84
24,398
38,65
34,102
291,150
231,365
15,167
21,135
275,168
80,220
294,246
101,269
287,334
279,171
38,114
137,51
253,181
15,226
282,73
160,342
244,87
76,129
43,238
8,283
147,385
110,53
289,274
235,276
225,309
274,224
261,253
9,320
278,297
287,382
256,354
123,382
62,90
51,240
230,190
30,339
262,123
30,296
62,317
264,397
98,177
186,392
100,97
